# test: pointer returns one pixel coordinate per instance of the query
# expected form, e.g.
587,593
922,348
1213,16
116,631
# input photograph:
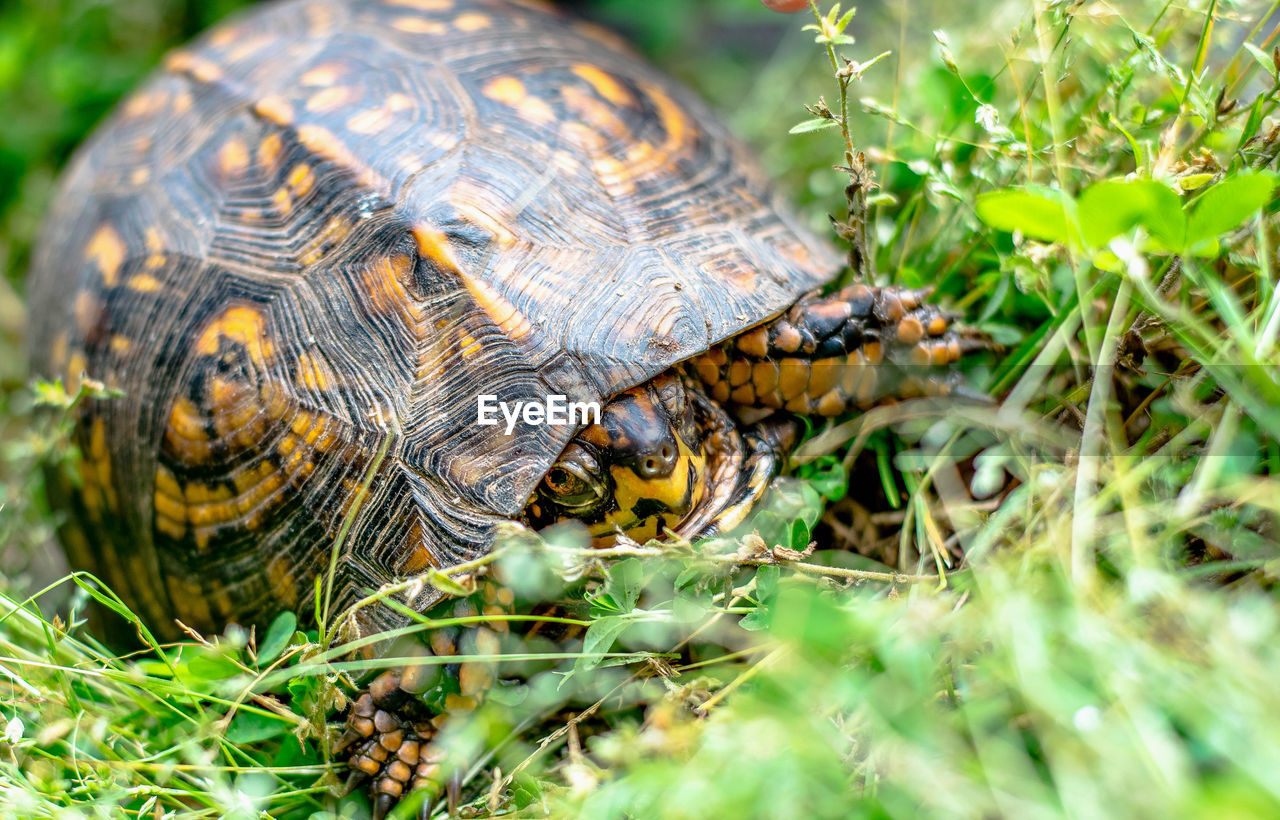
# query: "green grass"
1062,605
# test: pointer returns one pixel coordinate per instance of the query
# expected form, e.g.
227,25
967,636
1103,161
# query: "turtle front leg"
830,354
741,461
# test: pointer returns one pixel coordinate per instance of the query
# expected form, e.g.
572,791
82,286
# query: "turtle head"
640,470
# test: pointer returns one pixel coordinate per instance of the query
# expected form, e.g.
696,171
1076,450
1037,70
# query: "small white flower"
987,116
13,730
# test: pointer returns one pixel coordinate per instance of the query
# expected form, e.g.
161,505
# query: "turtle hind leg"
388,743
392,739
830,354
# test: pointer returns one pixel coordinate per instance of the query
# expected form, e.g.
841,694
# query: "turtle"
302,255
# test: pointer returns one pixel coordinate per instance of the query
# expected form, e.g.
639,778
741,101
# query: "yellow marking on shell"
504,314
325,240
468,346
185,432
243,325
170,510
77,366
190,599
471,21
330,99
233,158
384,283
301,179
510,91
417,25
86,309
155,249
96,467
120,344
58,351
139,176
599,115
144,283
322,75
284,586
141,105
322,142
314,373
434,245
235,410
182,102
223,37
248,46
419,559
199,68
604,84
269,150
644,158
255,484
371,121
282,201
106,250
274,109
313,430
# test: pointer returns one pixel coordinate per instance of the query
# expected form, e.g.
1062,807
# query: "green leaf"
815,124
1228,205
446,584
766,595
252,727
799,534
1110,209
623,584
1262,57
1040,213
599,638
828,477
1192,182
278,636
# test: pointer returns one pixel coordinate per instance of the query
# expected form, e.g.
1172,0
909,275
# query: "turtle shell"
303,250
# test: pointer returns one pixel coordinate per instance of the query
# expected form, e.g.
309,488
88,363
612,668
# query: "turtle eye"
567,488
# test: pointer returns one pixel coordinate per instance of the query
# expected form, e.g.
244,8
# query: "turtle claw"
453,791
382,805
